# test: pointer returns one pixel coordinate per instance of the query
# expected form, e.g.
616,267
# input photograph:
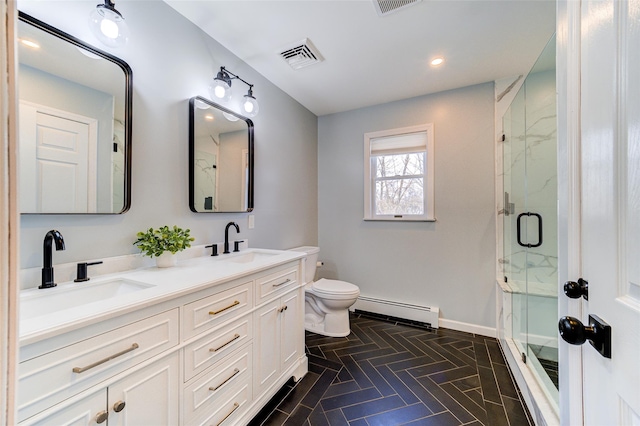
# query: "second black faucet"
52,236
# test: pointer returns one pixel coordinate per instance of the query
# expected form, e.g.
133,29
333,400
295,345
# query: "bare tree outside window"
399,184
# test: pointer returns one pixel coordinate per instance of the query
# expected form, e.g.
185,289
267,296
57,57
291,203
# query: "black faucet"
226,236
47,268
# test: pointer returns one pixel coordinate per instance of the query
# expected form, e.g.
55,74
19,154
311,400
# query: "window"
398,174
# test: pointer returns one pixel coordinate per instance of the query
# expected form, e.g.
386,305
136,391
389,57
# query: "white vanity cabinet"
277,347
278,321
148,396
75,366
209,354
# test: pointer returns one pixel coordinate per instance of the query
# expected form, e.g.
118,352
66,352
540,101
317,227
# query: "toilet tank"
312,259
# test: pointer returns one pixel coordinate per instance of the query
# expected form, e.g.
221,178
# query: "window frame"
429,175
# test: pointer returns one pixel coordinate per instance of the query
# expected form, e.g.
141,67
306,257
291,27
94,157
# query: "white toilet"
327,302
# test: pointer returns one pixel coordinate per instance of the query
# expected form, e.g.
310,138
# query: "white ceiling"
369,59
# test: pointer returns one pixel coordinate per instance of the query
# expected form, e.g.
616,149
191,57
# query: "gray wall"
173,60
448,263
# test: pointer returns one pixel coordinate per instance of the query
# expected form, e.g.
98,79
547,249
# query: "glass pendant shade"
108,25
220,90
250,106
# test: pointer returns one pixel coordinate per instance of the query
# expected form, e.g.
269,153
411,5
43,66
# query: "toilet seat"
334,289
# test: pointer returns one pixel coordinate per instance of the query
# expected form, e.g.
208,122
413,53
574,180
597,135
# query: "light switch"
251,221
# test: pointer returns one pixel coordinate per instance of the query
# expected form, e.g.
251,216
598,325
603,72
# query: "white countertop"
186,277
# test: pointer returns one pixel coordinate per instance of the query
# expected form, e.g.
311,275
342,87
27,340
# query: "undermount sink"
39,302
251,256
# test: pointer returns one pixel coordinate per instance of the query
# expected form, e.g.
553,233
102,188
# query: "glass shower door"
541,188
530,220
514,183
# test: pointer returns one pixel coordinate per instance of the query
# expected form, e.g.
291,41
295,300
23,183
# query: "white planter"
166,260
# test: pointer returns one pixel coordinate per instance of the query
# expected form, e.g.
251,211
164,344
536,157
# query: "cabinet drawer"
54,377
204,352
207,313
226,412
202,396
273,285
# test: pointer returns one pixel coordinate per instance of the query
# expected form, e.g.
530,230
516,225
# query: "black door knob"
598,333
576,289
573,331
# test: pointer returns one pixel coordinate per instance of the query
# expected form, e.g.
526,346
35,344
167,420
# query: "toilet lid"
324,285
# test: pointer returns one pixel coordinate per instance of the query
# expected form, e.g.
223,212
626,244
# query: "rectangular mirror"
74,124
220,159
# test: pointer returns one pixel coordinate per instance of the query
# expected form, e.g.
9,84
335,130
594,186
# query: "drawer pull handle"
235,372
235,407
102,361
236,337
288,280
235,303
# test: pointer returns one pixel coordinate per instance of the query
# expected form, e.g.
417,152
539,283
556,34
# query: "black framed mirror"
220,159
75,120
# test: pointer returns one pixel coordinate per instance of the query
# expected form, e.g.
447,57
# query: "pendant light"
108,25
250,105
220,89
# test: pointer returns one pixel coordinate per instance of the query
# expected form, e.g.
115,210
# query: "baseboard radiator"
423,314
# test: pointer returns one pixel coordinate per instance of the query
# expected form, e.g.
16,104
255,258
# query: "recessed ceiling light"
29,43
437,61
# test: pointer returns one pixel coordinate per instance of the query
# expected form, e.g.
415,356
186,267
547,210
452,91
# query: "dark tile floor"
387,373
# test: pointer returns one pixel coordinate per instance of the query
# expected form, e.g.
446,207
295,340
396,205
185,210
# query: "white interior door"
58,161
610,153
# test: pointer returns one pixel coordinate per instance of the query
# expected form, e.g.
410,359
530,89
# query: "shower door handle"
519,228
598,333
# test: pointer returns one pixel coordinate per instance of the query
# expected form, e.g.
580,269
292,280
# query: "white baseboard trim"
423,314
469,328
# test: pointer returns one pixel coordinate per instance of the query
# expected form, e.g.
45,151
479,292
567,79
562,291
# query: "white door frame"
9,216
568,36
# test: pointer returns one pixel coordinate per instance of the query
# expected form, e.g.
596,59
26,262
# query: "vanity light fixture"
108,25
220,90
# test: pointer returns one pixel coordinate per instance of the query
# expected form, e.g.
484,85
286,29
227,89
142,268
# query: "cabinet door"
80,413
267,349
292,333
150,396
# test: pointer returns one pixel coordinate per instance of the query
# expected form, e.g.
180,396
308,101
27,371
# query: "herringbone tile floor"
386,373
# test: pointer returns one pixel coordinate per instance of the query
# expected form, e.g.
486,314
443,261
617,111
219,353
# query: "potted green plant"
163,243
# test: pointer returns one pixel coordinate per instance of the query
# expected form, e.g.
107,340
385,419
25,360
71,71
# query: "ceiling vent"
301,54
385,7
